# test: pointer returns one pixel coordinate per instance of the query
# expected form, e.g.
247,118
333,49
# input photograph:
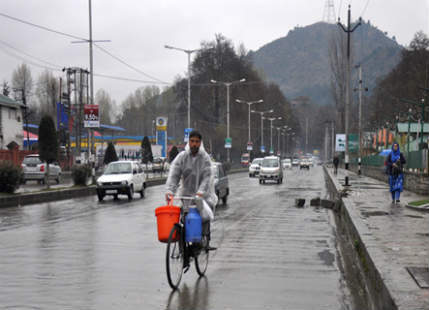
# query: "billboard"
91,119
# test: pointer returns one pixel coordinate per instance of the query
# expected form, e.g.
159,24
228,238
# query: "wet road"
82,254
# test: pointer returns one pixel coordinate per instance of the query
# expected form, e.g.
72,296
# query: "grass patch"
419,203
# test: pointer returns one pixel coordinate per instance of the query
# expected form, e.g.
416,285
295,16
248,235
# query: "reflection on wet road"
82,254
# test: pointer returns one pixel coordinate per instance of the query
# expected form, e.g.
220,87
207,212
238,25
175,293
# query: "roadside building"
11,122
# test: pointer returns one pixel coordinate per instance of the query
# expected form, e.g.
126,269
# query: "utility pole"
326,140
24,101
349,30
306,135
333,138
228,85
360,90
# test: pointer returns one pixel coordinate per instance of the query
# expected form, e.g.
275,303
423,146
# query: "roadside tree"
48,144
110,154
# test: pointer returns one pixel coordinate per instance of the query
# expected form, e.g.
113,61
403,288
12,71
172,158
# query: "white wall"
11,127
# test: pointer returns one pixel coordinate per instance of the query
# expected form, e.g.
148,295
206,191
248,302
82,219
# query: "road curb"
68,193
363,256
55,195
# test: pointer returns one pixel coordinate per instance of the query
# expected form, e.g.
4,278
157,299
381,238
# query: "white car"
121,177
254,167
34,169
271,170
287,163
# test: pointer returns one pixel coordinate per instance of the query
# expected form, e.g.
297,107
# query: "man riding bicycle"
191,169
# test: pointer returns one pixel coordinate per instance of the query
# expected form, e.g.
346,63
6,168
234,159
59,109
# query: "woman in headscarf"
395,163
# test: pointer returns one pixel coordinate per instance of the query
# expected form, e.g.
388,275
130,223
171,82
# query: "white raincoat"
194,173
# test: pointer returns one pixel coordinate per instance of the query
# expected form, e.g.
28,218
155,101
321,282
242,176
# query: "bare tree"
47,92
103,99
22,82
5,89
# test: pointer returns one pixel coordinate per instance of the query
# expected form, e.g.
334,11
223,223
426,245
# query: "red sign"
91,118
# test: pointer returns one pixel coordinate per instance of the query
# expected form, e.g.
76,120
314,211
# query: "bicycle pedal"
185,270
211,248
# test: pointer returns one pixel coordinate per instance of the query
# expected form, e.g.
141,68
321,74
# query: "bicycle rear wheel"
202,259
175,257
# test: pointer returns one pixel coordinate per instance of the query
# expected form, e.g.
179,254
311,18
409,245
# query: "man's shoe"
398,201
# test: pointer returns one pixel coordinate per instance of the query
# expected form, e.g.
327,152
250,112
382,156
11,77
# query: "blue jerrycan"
193,226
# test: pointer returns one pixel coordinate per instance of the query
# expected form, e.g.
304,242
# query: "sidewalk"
394,238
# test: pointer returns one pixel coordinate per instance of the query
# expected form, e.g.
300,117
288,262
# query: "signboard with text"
91,119
228,143
161,134
340,142
187,132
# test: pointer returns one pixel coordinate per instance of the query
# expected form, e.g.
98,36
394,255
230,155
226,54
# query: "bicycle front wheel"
202,259
175,257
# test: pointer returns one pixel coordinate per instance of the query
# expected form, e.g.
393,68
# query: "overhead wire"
83,39
54,67
128,65
364,9
339,8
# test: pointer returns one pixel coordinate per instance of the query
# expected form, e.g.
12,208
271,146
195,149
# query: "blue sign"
62,117
160,139
262,149
187,132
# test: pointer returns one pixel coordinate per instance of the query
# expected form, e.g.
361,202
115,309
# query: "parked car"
121,177
304,164
287,163
157,165
221,182
271,170
34,169
254,167
295,162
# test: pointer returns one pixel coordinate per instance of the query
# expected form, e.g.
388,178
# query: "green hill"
299,62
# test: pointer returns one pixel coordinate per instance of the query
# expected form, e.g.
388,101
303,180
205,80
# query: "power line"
82,39
26,60
128,65
42,27
28,55
54,67
339,8
364,9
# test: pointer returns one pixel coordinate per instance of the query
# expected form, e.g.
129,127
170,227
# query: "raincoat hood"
395,154
201,150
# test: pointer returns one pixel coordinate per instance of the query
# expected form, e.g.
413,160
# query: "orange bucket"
166,217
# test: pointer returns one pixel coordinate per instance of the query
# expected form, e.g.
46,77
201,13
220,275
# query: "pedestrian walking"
395,163
336,162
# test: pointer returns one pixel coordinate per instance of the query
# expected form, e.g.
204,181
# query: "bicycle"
179,252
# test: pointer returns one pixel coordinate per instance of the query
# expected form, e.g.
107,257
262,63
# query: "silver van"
271,169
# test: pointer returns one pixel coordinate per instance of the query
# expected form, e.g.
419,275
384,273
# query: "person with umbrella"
394,164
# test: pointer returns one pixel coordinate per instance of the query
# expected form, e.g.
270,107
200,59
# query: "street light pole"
262,125
249,103
189,52
272,119
228,85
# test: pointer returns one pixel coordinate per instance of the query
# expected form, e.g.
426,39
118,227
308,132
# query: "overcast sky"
138,31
